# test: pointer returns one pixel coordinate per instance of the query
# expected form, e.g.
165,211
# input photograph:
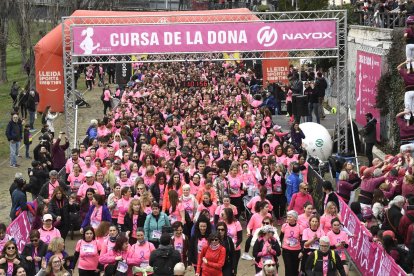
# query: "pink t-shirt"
303,220
232,230
96,217
292,236
123,205
201,243
252,203
107,245
221,207
96,186
179,244
308,235
337,238
189,207
102,153
176,215
125,182
76,181
46,235
326,222
88,254
235,186
211,209
139,255
255,222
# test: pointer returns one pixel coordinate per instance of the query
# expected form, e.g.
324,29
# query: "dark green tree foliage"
390,87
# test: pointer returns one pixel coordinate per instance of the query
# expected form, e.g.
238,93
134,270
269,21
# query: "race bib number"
144,264
315,245
156,234
122,267
292,241
179,248
265,258
88,248
94,224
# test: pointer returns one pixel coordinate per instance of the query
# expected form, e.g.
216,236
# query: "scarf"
214,247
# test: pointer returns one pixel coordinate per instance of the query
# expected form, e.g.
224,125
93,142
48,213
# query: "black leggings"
107,104
83,272
247,244
238,202
236,260
291,257
279,205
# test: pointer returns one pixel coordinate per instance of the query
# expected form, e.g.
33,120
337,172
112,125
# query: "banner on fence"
276,70
369,257
368,72
19,229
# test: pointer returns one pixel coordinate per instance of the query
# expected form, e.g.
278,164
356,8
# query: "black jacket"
19,201
44,191
258,247
193,250
163,260
128,224
369,131
37,179
230,261
156,192
28,250
392,219
317,270
14,131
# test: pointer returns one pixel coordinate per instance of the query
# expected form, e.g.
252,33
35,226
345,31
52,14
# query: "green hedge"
390,89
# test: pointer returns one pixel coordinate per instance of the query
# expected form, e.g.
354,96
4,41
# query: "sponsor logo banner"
184,38
19,229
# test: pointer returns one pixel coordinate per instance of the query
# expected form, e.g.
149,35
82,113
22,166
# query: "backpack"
316,257
164,263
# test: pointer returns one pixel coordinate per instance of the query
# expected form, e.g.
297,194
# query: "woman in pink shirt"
255,223
261,197
207,204
116,259
109,242
235,232
235,188
299,199
47,231
291,236
123,204
303,219
124,181
87,251
331,212
76,178
280,156
310,238
176,211
139,253
220,208
113,201
180,241
339,241
134,218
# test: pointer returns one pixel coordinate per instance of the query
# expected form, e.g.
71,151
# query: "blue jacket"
292,186
151,224
106,215
19,201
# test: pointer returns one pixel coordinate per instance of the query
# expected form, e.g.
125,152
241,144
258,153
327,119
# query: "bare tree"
4,37
24,29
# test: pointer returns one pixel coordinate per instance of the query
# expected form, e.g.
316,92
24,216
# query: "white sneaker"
247,257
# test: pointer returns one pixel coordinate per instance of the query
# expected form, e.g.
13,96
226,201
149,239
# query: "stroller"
80,100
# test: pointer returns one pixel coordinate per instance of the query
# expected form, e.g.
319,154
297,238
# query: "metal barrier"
389,20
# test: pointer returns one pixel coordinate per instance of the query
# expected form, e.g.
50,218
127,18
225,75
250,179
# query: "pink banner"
19,229
369,257
185,38
368,72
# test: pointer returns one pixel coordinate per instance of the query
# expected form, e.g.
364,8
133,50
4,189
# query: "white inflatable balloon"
318,141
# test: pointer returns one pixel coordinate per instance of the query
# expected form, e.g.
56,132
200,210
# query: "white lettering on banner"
385,265
364,252
229,37
303,36
49,78
134,39
197,39
367,60
375,263
172,38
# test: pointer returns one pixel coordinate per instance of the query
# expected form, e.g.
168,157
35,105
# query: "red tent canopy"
49,50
